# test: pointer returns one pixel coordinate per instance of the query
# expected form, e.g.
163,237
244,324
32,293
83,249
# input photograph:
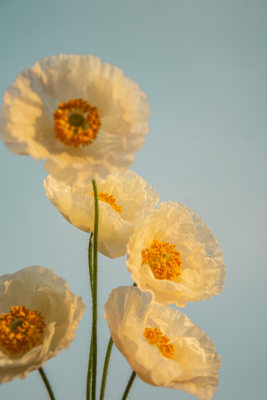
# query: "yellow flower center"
164,261
76,123
21,330
109,199
155,336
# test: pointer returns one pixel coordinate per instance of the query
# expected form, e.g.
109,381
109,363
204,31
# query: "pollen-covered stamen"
21,330
109,199
155,336
76,123
163,259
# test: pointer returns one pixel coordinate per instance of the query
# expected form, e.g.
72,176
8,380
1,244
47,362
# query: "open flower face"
161,344
81,115
38,318
124,198
174,256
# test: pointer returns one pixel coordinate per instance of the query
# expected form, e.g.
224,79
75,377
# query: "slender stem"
105,369
94,325
90,361
47,384
132,377
106,365
90,370
90,262
128,387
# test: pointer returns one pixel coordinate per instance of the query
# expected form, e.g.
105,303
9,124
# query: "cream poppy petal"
195,363
132,193
27,120
202,269
39,290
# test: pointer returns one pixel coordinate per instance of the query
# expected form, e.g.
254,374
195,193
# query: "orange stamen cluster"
109,199
76,123
155,336
21,330
164,261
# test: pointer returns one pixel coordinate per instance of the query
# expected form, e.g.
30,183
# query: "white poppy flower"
174,256
124,198
38,318
161,344
81,115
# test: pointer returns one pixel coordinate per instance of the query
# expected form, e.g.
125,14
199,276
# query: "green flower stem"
90,262
47,384
106,365
90,370
90,361
94,325
105,369
128,387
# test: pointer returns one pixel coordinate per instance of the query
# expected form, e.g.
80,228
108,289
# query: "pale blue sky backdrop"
203,66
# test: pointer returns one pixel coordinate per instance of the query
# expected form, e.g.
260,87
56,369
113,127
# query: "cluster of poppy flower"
87,120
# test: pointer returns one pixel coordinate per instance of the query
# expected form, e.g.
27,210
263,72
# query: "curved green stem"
90,361
94,325
128,387
90,370
105,369
90,262
47,384
106,365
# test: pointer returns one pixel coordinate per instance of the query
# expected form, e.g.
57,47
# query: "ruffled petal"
195,364
39,289
133,194
202,270
27,122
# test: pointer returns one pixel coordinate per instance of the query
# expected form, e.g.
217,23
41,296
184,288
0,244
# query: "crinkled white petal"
195,365
76,204
39,289
26,124
202,270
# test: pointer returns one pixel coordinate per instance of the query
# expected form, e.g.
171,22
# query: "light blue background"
203,66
